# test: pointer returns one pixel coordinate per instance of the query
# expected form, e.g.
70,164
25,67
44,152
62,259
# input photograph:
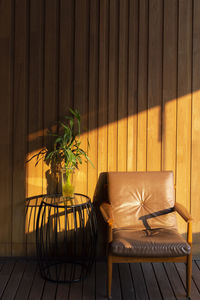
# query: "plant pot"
68,183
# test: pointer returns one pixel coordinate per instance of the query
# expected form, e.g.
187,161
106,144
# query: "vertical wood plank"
50,84
97,44
93,95
35,114
66,61
19,127
169,86
113,85
142,85
6,126
154,85
35,100
133,40
103,88
195,176
184,104
122,92
81,81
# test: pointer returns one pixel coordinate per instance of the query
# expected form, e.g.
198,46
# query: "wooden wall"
131,67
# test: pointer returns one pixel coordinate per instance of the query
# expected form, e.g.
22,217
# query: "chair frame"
181,210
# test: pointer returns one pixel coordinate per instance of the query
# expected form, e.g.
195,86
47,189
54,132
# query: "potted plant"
66,153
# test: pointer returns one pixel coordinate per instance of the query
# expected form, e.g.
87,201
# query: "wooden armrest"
106,211
183,212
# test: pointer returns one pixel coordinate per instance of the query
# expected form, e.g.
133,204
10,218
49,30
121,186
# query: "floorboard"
139,282
20,279
126,282
175,281
76,288
14,281
49,291
5,275
36,291
116,285
101,280
27,281
196,274
151,282
62,291
164,283
89,286
194,291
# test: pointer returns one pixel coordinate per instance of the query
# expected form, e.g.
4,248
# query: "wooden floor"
20,279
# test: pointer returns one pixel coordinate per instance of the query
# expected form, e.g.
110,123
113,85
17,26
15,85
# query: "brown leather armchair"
141,218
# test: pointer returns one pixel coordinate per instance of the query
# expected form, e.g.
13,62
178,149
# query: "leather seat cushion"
139,199
160,242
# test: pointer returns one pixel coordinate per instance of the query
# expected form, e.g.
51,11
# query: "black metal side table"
66,234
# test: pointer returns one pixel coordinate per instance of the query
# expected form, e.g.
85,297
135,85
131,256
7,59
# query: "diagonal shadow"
150,231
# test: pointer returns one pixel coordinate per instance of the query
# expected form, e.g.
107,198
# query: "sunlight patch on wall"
34,177
34,182
35,135
169,136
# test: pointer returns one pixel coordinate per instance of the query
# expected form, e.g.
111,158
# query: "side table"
66,233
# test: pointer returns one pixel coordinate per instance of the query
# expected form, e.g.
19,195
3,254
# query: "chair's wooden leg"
189,274
109,275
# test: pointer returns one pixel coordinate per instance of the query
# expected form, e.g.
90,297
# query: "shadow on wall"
100,195
131,68
53,180
32,209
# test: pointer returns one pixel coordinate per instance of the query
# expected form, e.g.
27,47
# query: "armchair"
141,218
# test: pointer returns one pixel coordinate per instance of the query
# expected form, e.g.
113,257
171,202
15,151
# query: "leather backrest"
142,199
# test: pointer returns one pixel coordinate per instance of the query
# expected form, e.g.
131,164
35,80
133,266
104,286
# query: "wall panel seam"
192,90
12,69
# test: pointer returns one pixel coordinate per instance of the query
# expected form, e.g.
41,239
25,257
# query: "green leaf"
58,140
75,113
84,153
66,146
64,126
79,159
68,118
71,124
52,134
72,157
